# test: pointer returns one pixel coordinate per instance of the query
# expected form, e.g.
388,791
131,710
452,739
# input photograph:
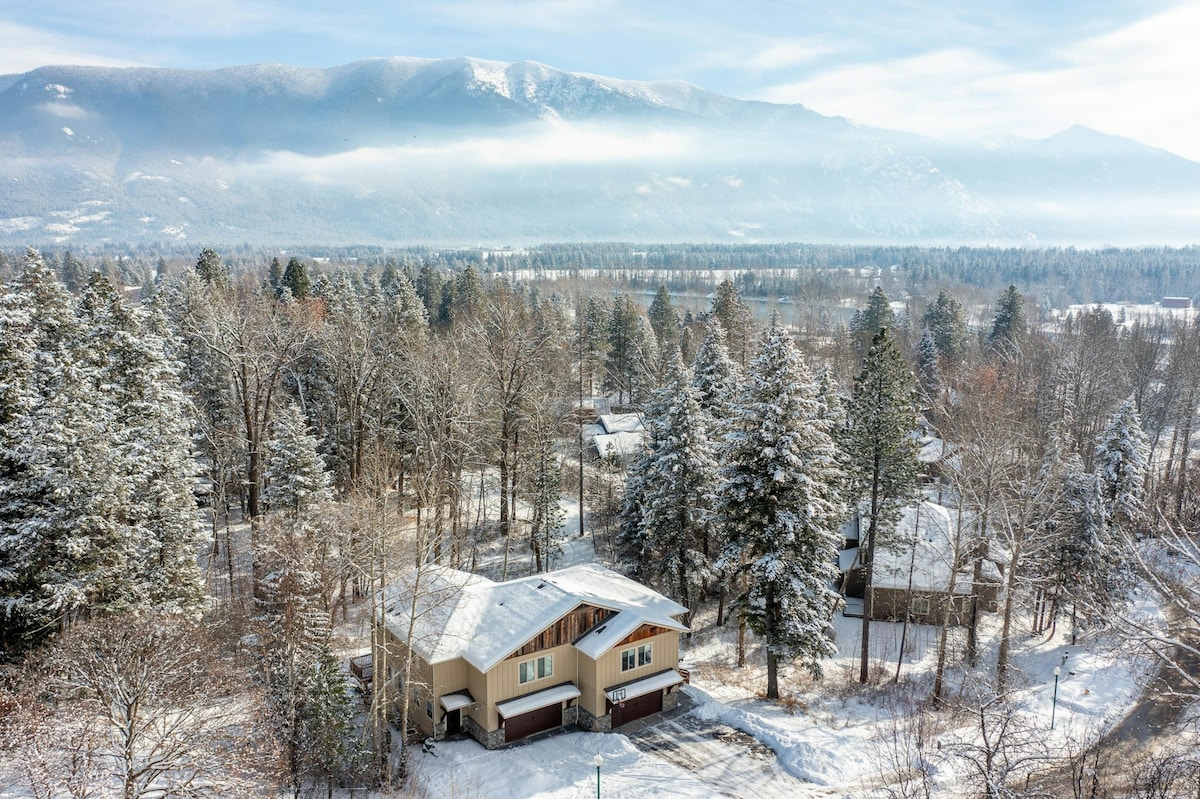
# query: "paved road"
733,763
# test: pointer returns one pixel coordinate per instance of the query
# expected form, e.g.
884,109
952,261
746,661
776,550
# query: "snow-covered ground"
838,737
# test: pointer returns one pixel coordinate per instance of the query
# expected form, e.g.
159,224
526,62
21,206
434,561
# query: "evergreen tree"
296,280
670,540
623,347
1122,457
47,438
307,694
210,269
867,322
469,293
736,319
945,320
714,376
881,454
929,372
779,508
296,479
545,530
663,320
149,443
275,277
1009,327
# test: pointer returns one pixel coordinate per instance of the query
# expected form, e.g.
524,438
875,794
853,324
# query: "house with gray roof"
501,661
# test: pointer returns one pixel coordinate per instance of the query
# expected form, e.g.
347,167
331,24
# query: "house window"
536,669
920,605
637,656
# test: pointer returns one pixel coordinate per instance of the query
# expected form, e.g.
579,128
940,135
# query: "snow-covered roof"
619,444
932,450
655,682
457,700
463,615
931,527
621,423
536,700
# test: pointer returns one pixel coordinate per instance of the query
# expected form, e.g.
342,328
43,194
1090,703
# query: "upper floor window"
535,669
637,656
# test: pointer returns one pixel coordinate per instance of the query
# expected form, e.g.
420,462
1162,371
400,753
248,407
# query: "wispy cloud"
27,48
1137,81
548,143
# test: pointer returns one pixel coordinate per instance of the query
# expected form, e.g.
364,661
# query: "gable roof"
457,614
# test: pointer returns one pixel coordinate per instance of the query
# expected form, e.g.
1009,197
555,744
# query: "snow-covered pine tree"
676,484
296,479
929,372
1008,325
1122,457
306,708
55,474
545,531
154,539
714,376
945,320
881,454
779,509
867,322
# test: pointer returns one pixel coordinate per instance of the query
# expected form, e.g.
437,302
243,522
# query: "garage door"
544,718
636,708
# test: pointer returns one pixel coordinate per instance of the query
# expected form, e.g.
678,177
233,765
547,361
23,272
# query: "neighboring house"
916,575
501,661
617,436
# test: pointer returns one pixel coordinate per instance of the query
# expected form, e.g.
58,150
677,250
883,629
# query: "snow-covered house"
916,573
501,661
617,435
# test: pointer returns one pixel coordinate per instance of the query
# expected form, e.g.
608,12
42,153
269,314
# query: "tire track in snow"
733,763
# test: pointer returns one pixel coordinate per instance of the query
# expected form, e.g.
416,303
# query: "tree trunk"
869,568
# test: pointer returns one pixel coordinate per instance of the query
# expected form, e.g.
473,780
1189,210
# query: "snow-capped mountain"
405,150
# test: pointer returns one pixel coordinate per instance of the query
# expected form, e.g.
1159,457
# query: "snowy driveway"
729,761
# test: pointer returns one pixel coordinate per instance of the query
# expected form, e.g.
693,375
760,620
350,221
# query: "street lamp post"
1054,701
599,761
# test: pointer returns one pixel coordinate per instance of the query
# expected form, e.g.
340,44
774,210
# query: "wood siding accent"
642,633
567,630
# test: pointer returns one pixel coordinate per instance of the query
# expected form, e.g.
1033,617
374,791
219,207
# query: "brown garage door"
544,718
637,707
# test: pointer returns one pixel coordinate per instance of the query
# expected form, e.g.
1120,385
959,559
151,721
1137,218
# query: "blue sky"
954,69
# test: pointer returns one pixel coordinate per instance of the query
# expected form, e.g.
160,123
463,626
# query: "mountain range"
465,151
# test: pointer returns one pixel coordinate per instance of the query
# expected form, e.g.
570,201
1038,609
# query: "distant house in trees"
1177,302
502,661
618,436
915,573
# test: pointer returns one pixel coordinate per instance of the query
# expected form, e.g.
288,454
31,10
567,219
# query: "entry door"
454,722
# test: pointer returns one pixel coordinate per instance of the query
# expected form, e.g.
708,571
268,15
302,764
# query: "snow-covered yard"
839,738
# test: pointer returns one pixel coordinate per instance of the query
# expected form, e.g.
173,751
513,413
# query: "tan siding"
502,680
665,655
483,713
591,696
450,676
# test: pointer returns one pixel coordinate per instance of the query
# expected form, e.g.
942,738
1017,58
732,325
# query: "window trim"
539,667
639,655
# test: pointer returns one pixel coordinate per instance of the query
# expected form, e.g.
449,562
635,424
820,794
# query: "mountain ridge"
414,150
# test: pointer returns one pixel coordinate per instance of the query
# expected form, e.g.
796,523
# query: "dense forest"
251,445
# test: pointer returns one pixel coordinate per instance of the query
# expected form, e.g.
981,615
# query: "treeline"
1051,277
